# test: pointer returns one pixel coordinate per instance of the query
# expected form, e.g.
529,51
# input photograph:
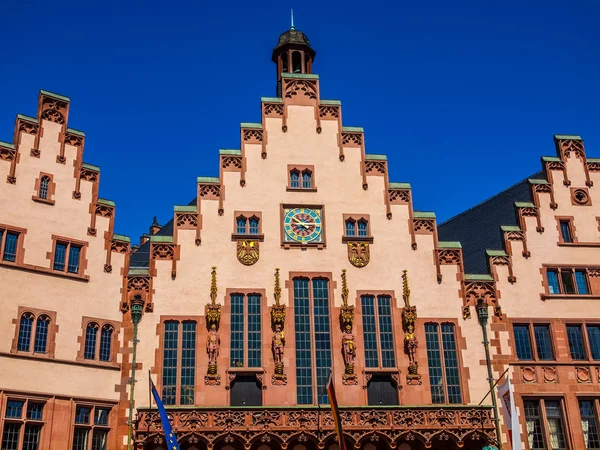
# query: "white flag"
509,411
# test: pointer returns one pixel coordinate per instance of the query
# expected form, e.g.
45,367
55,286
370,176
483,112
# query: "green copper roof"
251,125
594,160
353,129
121,237
229,151
424,215
510,228
29,118
75,132
139,271
271,99
302,76
478,277
167,239
563,137
191,208
90,166
7,145
399,186
375,157
449,244
208,180
525,205
550,158
103,201
52,94
537,181
496,253
330,103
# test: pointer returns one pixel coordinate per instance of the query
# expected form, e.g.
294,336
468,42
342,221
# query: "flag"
169,435
509,411
335,410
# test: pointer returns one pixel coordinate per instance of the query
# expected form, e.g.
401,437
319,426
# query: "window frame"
5,229
92,426
114,345
573,269
587,348
541,401
534,348
50,338
356,218
595,408
82,255
23,421
227,310
247,216
38,188
570,223
394,308
301,170
160,354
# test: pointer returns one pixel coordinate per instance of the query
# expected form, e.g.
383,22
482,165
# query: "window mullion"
246,342
544,424
91,428
313,342
531,329
443,362
574,280
2,243
179,362
560,282
377,331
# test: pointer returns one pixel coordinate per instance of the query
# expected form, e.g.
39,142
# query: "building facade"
263,286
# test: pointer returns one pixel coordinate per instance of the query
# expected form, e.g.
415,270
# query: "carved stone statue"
411,344
212,345
278,345
348,349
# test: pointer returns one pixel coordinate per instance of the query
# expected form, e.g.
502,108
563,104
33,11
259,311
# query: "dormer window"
301,178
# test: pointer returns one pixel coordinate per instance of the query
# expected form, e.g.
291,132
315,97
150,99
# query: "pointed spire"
292,14
405,288
277,288
213,286
345,290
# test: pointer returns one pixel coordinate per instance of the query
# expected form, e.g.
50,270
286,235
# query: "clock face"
302,225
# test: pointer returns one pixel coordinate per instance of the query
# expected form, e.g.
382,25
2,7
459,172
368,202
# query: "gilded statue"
348,349
278,345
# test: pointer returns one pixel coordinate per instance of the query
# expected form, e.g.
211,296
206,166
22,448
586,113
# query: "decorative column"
482,316
136,307
409,316
278,344
213,342
348,340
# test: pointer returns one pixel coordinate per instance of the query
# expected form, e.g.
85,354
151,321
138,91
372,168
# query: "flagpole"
497,381
136,306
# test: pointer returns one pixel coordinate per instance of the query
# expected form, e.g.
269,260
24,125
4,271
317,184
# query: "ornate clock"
303,225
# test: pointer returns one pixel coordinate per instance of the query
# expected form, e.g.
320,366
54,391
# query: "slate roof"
478,228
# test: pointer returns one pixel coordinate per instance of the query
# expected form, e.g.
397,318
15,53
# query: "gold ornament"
247,251
358,253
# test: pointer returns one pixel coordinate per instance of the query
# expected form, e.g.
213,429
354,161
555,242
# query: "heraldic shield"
247,251
358,253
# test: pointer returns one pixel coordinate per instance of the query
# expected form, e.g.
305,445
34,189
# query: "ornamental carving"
104,210
515,235
542,188
273,109
581,196
89,175
375,167
138,283
448,257
528,374
529,212
583,375
248,251
213,340
549,374
424,225
231,162
54,110
398,196
307,88
359,253
480,290
35,152
348,340
253,136
194,420
73,139
163,251
7,154
279,378
352,139
119,246
500,260
329,112
210,191
593,166
28,127
594,272
409,317
11,179
572,145
186,220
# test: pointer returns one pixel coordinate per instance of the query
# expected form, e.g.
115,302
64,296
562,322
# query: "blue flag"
169,435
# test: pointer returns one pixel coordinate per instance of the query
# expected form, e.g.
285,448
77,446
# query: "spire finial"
213,286
405,288
292,14
345,290
277,288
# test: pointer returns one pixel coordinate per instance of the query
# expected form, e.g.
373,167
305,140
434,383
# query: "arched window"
44,183
296,62
362,228
41,334
241,225
306,179
91,335
253,225
25,328
295,179
284,58
350,227
106,342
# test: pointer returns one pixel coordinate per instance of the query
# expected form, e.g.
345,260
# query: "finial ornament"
213,343
405,288
277,288
279,378
348,341
213,285
409,317
344,288
292,13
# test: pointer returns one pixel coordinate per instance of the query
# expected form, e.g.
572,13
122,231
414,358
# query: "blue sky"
464,97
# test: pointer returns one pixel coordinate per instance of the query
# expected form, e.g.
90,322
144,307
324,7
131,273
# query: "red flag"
335,410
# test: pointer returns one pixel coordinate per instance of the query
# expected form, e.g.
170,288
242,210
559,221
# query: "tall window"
67,257
543,342
378,331
22,425
98,347
9,244
565,231
442,356
33,331
306,179
589,423
578,348
311,322
247,226
295,179
44,184
179,362
568,281
245,328
576,344
545,434
91,427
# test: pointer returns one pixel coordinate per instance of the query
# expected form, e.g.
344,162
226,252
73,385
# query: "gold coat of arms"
247,251
358,253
